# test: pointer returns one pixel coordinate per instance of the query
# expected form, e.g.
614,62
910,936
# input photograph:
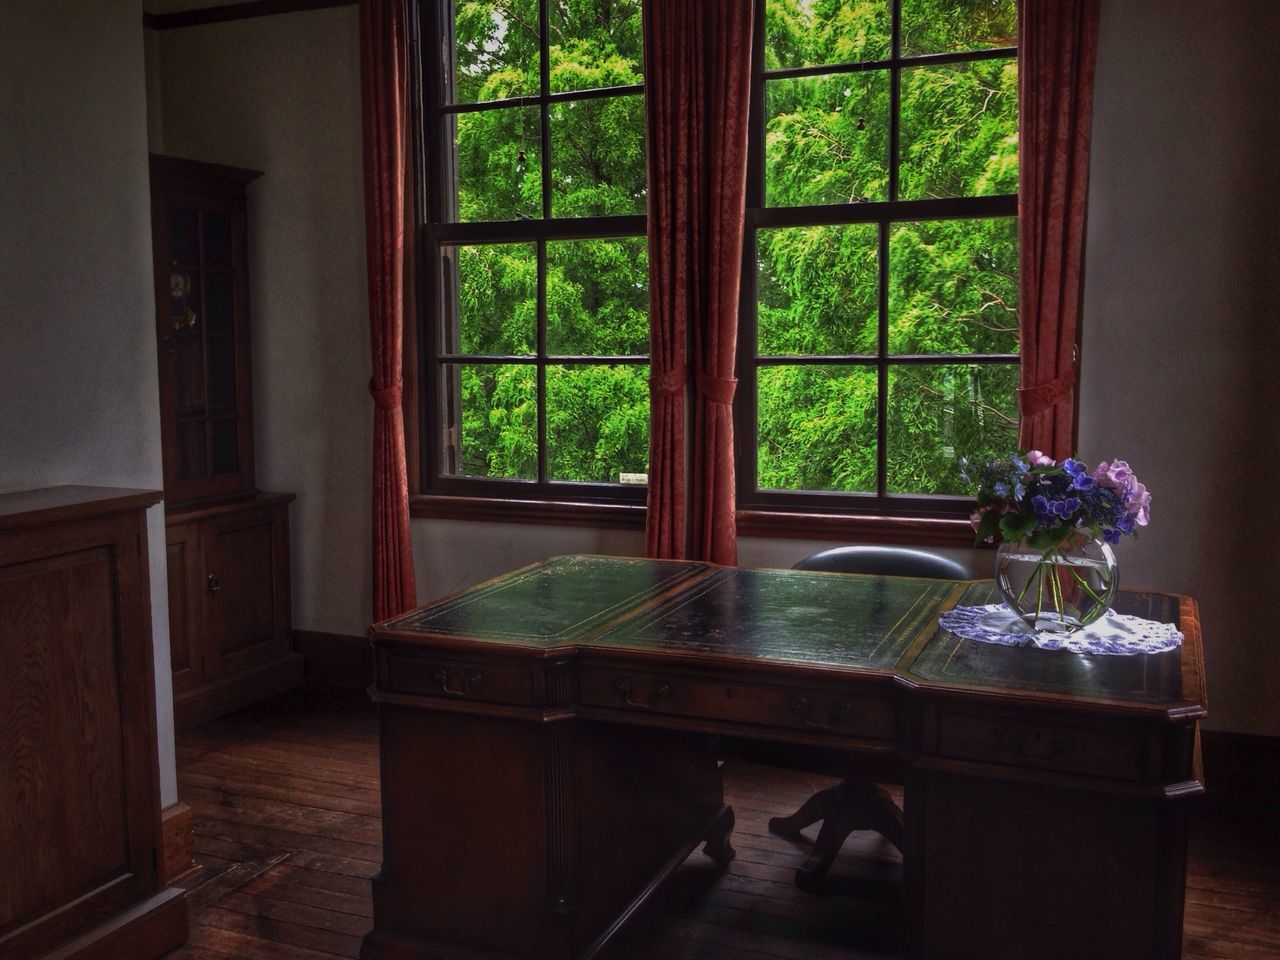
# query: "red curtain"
697,76
1058,42
384,86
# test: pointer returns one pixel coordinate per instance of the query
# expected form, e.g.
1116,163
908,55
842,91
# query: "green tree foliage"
952,285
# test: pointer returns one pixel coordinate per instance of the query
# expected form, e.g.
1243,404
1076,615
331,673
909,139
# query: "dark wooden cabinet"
228,544
230,632
79,799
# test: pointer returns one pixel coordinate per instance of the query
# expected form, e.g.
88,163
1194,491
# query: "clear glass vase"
1061,590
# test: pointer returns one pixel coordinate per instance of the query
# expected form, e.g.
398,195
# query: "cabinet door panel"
186,607
79,811
246,589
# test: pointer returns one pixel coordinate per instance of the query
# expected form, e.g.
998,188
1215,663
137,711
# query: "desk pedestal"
527,838
998,868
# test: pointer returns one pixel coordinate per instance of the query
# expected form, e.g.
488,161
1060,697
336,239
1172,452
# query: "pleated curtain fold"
384,87
1058,42
697,83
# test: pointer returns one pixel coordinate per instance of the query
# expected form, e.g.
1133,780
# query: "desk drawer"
797,707
453,679
1115,753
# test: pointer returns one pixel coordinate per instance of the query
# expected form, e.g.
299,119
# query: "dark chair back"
888,561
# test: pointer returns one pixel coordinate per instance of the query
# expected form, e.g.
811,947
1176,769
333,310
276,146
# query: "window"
535,287
879,337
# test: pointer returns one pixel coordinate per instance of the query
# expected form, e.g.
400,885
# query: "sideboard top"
30,508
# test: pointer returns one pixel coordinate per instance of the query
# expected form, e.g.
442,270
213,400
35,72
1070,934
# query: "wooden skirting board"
1241,765
178,845
337,659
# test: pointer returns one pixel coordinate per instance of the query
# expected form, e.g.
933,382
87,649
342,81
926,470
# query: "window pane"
844,31
494,409
939,413
597,157
225,458
597,422
598,297
953,286
959,130
496,309
595,43
817,428
219,293
217,239
495,49
499,155
818,290
827,139
942,26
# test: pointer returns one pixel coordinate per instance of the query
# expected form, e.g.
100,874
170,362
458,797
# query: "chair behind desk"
856,803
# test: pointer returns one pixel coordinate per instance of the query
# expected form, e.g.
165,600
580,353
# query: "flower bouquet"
1055,568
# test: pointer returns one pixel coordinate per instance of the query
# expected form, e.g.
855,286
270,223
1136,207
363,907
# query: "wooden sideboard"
80,831
545,759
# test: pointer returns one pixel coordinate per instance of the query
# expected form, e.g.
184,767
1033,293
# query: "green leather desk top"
825,621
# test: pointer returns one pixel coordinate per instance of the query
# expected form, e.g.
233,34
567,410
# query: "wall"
77,335
280,94
1180,351
1178,358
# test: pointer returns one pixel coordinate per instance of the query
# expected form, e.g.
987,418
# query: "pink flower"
1115,475
974,520
1038,459
1139,503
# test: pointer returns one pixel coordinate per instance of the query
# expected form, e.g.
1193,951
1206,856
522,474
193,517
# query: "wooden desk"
546,761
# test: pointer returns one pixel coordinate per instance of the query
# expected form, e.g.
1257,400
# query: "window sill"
566,513
864,528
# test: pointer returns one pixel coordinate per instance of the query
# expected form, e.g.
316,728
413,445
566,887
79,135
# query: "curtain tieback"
1047,395
670,383
717,389
386,398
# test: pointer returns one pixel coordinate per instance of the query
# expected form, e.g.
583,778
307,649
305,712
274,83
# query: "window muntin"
879,327
536,292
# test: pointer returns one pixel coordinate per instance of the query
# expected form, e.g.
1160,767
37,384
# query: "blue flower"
1040,504
1019,491
1001,488
1125,524
1082,481
1074,467
1111,535
1070,506
1020,465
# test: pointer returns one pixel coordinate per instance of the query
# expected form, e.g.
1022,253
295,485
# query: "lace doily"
1114,633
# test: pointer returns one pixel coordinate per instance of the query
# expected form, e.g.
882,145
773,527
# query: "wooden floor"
288,833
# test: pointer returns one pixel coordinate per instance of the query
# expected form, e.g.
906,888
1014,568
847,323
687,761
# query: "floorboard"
286,818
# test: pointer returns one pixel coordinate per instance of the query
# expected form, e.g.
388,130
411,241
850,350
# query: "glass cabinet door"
203,335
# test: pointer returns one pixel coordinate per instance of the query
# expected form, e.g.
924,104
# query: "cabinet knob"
213,584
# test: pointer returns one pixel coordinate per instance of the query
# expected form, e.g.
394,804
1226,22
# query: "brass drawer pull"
1041,745
660,692
840,712
471,681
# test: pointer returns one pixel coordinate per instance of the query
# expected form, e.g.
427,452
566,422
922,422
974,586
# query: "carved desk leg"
717,846
852,804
